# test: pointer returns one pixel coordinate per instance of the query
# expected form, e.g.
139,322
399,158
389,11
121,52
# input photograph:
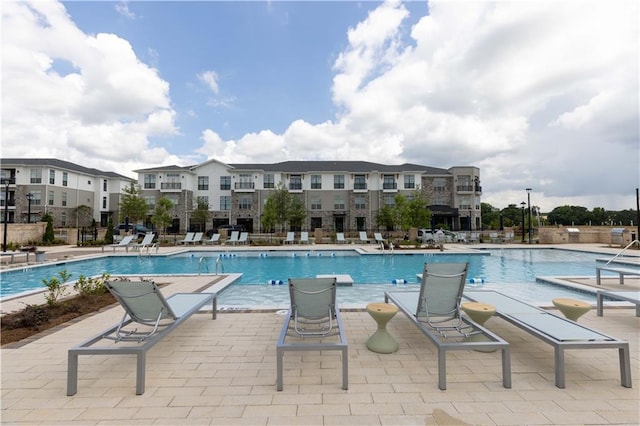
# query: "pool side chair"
147,243
148,318
233,239
125,242
363,237
187,238
304,237
340,238
440,296
313,322
197,238
291,237
215,239
244,238
378,237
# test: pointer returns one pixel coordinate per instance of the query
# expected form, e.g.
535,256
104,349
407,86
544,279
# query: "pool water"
510,270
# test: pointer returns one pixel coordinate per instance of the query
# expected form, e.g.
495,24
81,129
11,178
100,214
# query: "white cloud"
71,95
210,79
123,9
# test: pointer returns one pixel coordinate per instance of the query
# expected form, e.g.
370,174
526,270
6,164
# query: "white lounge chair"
233,239
125,242
244,237
290,238
215,239
340,238
304,237
197,238
187,238
147,243
378,237
363,237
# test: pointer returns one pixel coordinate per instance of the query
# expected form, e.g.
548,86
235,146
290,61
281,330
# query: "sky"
537,94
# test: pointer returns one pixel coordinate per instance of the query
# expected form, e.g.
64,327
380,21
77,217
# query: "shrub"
91,287
55,289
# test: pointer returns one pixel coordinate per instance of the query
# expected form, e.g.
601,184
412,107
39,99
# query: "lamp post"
522,204
529,228
29,198
6,183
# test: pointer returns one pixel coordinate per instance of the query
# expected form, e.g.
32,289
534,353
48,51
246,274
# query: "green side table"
381,341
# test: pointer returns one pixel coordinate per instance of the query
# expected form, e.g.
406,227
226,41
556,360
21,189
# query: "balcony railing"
359,186
295,187
244,185
169,186
389,185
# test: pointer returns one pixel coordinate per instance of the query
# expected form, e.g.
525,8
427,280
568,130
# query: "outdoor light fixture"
522,204
529,228
6,183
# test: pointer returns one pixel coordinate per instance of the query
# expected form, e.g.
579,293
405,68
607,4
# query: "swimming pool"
510,270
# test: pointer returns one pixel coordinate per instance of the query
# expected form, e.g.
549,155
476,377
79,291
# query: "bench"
559,332
620,271
627,296
183,304
12,254
407,302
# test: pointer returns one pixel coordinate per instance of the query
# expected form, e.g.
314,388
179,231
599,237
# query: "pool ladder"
622,251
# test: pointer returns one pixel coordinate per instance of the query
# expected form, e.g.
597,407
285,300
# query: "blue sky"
540,94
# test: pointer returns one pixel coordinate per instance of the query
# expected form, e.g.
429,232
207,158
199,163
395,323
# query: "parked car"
139,230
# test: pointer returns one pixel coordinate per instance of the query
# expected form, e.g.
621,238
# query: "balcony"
244,187
295,186
359,187
389,187
171,187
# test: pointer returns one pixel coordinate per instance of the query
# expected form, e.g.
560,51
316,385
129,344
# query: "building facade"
72,194
337,195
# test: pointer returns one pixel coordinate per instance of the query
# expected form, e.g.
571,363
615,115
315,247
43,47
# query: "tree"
84,215
384,218
416,213
161,217
296,212
282,209
569,215
108,235
132,205
200,215
49,235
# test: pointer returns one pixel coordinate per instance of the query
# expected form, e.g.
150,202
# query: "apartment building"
72,194
338,195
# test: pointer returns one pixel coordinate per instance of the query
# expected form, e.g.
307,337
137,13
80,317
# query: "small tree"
108,235
384,218
161,217
296,212
49,235
200,215
132,204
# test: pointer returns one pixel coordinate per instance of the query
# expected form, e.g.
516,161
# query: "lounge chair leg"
72,374
506,368
559,361
345,369
625,366
279,356
140,372
442,369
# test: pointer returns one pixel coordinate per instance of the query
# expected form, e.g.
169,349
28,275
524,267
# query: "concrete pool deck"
224,371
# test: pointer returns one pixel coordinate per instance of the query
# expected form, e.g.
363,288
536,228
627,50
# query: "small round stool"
381,341
479,313
571,308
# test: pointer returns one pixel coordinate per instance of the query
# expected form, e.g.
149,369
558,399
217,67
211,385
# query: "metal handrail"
623,250
200,262
219,261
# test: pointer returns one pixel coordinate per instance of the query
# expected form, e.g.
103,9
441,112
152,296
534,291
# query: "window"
360,202
244,202
104,185
63,219
149,181
359,182
338,182
438,185
104,202
52,177
409,182
225,183
464,183
36,198
295,183
389,182
225,202
50,197
389,200
316,182
65,179
338,202
171,181
36,176
174,198
203,183
64,199
439,200
151,201
269,181
316,203
203,200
